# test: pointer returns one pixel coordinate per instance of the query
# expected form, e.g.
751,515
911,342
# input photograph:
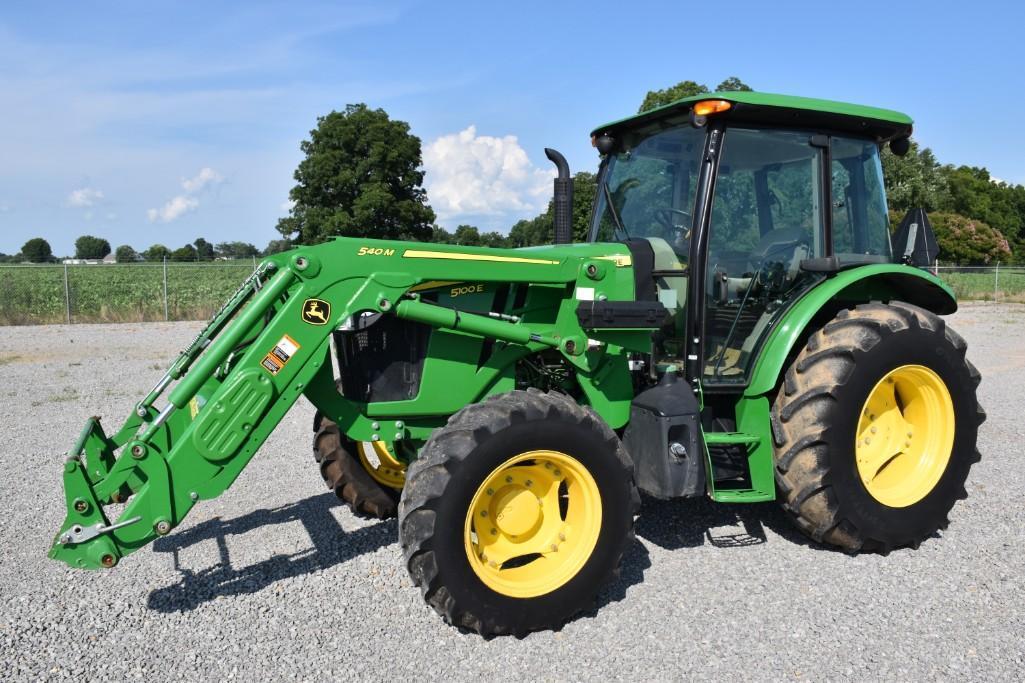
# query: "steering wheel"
683,229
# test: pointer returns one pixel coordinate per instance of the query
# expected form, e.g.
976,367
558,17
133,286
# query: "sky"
160,122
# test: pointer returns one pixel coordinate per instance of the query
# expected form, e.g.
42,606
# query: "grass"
986,285
116,293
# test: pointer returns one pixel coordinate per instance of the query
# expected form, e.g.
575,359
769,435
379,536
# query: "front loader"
739,325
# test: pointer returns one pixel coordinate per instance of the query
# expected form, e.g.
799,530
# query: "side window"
766,219
861,230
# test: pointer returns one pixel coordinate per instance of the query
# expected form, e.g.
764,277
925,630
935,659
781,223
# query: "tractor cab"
735,204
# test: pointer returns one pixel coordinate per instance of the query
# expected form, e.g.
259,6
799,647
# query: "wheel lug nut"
483,513
530,483
562,537
873,430
494,532
558,473
554,547
508,480
491,492
548,465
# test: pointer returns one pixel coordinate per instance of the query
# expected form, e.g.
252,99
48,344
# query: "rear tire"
831,487
553,553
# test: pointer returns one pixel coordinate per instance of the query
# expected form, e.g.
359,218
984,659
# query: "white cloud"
84,197
173,209
287,205
183,203
470,174
206,176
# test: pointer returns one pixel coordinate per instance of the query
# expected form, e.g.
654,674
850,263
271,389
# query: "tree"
125,254
733,84
277,246
541,230
913,180
89,247
234,250
495,240
361,177
204,250
467,236
967,241
440,235
658,98
158,252
37,250
186,253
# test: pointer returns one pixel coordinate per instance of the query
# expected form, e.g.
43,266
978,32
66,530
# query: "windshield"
648,189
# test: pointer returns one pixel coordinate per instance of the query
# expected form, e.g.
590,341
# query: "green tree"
440,235
89,247
236,250
204,250
972,192
541,230
277,246
361,177
158,252
37,250
658,98
914,180
733,84
125,254
467,236
186,253
495,240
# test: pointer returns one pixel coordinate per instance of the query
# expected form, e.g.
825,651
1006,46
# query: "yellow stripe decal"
431,284
621,260
455,256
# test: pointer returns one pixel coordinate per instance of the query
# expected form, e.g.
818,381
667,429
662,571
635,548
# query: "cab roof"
785,110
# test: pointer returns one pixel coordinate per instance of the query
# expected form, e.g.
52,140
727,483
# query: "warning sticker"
280,354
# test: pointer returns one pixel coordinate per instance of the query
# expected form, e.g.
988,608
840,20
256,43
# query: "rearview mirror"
914,243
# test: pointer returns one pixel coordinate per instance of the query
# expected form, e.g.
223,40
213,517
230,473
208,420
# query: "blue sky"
163,122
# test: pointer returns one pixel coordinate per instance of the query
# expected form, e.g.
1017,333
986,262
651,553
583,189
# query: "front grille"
383,362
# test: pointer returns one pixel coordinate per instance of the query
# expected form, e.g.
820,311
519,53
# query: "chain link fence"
985,283
136,292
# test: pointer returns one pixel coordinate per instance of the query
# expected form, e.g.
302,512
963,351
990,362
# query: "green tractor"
738,325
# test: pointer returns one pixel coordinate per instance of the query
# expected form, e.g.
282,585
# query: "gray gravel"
275,580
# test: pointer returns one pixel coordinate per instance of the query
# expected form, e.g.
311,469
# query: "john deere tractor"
739,325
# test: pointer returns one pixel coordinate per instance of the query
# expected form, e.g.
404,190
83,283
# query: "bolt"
491,492
398,436
140,411
494,532
483,558
554,547
108,560
492,564
907,444
562,537
530,483
162,527
483,513
399,424
384,304
871,417
571,346
558,473
909,435
592,270
81,505
867,441
508,480
375,426
375,437
548,465
301,263
194,496
138,450
873,430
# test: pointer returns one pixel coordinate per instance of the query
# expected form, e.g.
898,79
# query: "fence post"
254,262
996,281
67,295
166,318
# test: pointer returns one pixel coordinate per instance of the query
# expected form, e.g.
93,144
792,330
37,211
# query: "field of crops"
116,293
134,293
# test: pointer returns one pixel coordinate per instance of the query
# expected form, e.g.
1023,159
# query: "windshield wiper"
612,208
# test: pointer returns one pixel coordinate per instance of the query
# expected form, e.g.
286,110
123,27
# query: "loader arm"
269,344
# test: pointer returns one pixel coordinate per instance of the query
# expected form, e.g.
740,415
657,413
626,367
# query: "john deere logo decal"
316,311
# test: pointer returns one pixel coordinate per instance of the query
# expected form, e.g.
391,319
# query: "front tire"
875,428
517,512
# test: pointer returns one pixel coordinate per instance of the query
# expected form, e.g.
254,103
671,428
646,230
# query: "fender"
881,282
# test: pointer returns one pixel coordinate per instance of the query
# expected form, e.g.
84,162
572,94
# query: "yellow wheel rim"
905,436
532,524
382,466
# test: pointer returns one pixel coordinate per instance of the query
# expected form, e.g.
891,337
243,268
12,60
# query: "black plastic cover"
621,314
914,242
665,441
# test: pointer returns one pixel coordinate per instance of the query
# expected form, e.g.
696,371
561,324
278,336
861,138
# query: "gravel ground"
275,580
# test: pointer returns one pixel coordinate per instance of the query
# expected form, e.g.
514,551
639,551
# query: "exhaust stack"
563,198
